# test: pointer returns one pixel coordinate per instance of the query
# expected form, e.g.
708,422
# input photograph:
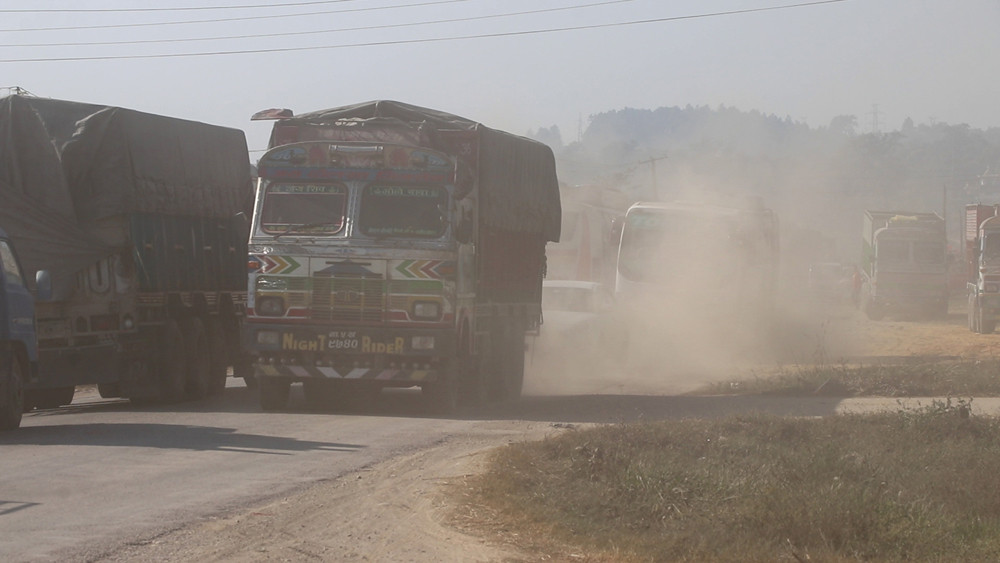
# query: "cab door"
16,302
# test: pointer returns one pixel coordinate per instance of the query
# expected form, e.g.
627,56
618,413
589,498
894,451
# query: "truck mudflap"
369,374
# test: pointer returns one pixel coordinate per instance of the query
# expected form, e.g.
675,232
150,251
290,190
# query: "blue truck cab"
18,344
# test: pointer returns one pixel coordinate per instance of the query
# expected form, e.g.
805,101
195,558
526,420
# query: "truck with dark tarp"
396,246
141,221
904,264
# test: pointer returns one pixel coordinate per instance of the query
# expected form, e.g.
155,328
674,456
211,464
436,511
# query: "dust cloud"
703,296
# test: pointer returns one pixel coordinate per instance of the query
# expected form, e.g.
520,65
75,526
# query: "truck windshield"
303,209
658,245
928,252
395,211
991,248
893,252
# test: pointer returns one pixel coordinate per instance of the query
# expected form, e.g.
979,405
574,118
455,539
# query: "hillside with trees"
819,180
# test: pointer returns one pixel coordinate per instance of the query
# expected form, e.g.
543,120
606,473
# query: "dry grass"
907,485
915,379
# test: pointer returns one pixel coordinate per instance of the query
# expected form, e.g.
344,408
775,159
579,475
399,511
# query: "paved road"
81,481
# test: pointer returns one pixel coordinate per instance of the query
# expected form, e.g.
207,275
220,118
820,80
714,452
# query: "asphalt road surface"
98,478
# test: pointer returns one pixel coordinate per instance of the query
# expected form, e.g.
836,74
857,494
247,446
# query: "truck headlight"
422,343
267,338
270,306
426,310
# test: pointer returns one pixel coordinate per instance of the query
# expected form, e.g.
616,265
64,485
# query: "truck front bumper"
388,355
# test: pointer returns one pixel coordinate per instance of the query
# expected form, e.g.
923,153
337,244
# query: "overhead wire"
423,40
228,20
165,9
316,32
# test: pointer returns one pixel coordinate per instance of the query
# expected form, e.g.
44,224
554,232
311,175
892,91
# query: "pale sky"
931,60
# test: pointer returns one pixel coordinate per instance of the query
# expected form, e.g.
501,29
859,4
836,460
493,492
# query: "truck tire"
171,364
321,394
49,398
218,351
12,395
198,359
109,390
243,368
273,393
441,396
514,366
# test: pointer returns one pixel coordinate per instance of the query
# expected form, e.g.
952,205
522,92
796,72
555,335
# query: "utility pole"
652,170
875,114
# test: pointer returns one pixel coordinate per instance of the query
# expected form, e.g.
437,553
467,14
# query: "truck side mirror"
463,225
43,285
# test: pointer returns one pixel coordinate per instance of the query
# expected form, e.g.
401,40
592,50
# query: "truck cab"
18,344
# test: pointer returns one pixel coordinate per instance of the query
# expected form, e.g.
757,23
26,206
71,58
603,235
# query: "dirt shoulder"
393,511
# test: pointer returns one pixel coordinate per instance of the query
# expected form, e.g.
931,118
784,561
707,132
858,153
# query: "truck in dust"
904,264
588,242
724,257
396,246
982,260
18,341
142,221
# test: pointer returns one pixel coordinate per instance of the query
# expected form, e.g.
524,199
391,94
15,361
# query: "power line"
163,9
417,41
314,32
225,20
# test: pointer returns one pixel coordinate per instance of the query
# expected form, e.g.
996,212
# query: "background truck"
982,259
397,246
722,258
18,344
138,219
904,264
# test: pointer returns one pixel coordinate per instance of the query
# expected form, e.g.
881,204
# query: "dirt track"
396,511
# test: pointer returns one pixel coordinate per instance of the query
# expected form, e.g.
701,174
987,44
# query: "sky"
515,65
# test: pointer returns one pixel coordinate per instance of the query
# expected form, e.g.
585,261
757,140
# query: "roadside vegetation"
907,485
978,378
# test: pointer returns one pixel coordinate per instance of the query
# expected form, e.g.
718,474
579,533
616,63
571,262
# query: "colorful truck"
142,221
982,259
396,246
18,343
904,264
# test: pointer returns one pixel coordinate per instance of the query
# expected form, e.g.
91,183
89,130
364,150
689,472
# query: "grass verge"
906,485
916,379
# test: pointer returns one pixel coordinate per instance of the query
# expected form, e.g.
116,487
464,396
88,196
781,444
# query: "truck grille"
348,299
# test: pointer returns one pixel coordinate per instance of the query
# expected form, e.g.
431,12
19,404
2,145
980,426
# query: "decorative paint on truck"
393,245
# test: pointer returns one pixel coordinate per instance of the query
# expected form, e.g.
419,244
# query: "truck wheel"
171,365
874,311
50,398
273,393
243,368
109,390
321,394
12,397
514,366
442,395
986,326
218,351
197,357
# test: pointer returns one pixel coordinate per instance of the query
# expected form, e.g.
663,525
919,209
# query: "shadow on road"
167,436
